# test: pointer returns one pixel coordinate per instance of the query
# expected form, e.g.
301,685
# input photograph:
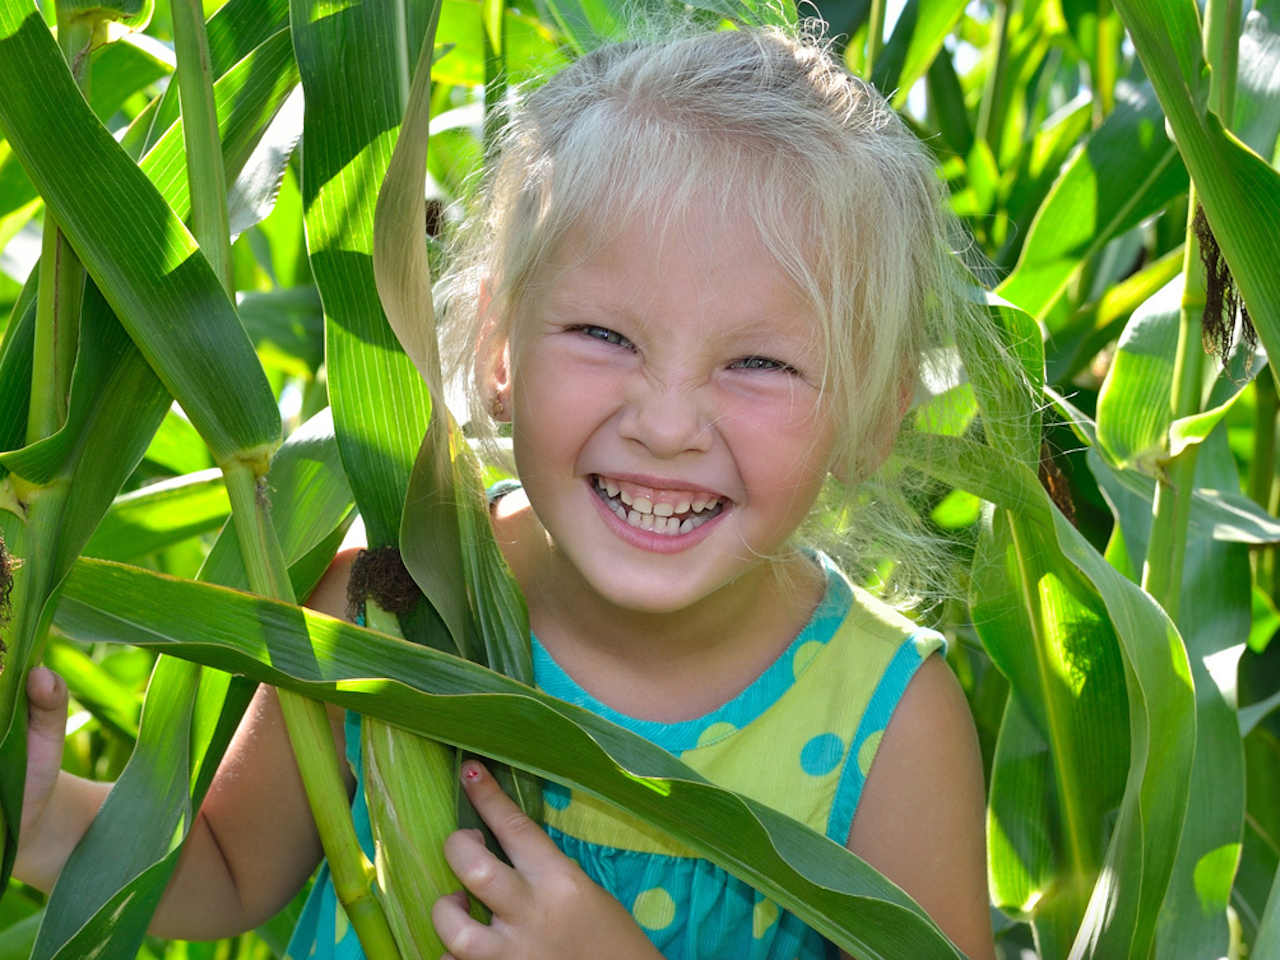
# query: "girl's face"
667,418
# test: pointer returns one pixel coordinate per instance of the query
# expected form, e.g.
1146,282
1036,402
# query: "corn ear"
411,787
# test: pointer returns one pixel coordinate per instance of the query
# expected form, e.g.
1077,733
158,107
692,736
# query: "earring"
497,409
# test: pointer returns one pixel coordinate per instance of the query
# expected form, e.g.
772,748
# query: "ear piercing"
497,409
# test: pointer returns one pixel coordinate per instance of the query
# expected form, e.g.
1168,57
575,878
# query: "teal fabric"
690,908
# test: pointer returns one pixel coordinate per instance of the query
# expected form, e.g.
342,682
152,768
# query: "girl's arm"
253,843
921,820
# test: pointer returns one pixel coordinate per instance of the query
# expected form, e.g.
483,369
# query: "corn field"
216,355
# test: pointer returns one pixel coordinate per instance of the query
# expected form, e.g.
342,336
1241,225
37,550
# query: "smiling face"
668,419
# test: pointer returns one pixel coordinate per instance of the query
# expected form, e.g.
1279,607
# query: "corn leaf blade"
446,698
148,266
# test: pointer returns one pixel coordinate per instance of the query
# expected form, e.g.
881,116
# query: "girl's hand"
46,729
544,906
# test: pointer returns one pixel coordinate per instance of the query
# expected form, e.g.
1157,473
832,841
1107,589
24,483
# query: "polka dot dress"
800,738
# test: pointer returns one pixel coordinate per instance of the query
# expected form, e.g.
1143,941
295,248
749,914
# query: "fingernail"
471,771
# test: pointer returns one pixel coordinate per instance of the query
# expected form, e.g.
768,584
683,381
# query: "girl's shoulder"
516,528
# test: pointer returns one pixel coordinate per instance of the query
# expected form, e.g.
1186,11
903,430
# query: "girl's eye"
604,334
761,363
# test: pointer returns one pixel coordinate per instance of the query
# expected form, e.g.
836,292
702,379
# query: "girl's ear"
493,359
500,384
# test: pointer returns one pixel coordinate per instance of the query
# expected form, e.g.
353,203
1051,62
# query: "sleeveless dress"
800,738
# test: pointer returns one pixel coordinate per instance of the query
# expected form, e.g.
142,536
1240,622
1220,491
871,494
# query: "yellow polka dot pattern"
804,656
654,909
763,916
714,732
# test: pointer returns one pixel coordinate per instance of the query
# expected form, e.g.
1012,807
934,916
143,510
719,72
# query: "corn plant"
1116,646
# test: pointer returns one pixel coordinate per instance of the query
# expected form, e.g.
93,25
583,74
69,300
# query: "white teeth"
664,516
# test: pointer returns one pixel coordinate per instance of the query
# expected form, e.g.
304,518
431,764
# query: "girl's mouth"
670,512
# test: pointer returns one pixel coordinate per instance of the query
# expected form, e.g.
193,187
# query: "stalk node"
380,574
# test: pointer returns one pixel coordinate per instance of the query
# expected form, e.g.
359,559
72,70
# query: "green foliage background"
1130,736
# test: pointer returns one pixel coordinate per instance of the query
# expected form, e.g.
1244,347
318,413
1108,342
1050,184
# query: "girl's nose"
667,421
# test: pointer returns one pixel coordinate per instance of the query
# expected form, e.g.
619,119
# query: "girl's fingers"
494,883
46,705
463,936
523,840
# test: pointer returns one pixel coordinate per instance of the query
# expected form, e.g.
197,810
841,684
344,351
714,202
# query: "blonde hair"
762,122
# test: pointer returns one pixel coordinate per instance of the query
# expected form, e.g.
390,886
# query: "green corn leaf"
1121,915
109,445
149,268
119,10
148,783
916,40
1127,171
446,698
15,370
235,30
1267,945
96,462
1077,341
177,449
1193,921
312,499
1240,191
428,532
1215,514
380,404
1260,858
123,68
1135,425
159,515
1068,682
112,703
1257,120
1253,714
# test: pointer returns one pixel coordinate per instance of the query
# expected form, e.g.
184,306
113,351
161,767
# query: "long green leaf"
149,268
354,103
1193,921
1267,946
1240,190
1120,919
176,757
160,515
1126,172
450,699
1048,632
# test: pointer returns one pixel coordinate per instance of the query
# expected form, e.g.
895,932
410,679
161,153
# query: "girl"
702,287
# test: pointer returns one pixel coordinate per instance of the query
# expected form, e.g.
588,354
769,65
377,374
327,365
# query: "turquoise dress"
800,738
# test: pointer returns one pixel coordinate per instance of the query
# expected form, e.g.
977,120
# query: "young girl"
707,273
